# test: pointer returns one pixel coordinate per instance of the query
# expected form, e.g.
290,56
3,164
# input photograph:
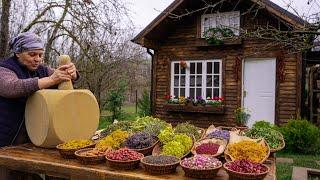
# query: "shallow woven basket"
223,143
160,169
229,158
237,175
283,144
146,151
69,153
271,150
200,173
89,159
157,150
124,165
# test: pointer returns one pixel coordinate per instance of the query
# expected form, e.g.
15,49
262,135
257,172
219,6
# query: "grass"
284,170
129,113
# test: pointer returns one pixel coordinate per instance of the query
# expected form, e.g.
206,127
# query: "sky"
144,11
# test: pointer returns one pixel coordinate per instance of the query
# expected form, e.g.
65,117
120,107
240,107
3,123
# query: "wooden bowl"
89,159
200,173
248,176
124,165
146,151
69,153
160,168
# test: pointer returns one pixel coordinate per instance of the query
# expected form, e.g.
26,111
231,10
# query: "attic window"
227,19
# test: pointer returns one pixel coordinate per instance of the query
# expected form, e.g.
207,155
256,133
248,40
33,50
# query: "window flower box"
220,109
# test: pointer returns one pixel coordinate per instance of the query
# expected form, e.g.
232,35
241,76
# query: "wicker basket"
200,173
160,169
248,176
271,150
229,158
157,150
69,153
283,144
221,142
89,159
146,151
124,165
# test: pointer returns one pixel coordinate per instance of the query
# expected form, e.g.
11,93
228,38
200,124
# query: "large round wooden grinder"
55,116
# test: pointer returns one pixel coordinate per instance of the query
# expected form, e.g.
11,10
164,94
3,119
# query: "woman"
21,75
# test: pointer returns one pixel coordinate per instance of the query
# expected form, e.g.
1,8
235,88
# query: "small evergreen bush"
144,105
301,136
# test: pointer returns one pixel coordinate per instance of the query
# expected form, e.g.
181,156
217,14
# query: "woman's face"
31,58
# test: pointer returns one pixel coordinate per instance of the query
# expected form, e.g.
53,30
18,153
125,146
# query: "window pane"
176,80
192,81
199,80
216,67
198,92
183,70
192,68
191,93
176,92
182,92
216,81
209,81
209,93
199,68
215,92
176,68
183,81
209,68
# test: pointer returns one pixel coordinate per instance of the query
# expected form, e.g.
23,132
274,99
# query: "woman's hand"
61,74
72,71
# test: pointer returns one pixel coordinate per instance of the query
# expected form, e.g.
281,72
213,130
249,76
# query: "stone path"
284,160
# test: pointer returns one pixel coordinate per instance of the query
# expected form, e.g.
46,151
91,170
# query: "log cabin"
258,74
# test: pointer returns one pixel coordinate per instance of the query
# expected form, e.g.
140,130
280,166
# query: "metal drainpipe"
151,89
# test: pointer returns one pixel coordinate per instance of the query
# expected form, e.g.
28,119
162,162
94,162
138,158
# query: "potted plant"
199,101
242,116
215,101
216,35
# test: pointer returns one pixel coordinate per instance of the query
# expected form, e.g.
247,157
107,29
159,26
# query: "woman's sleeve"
13,87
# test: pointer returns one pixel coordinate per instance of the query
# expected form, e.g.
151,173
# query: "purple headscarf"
25,41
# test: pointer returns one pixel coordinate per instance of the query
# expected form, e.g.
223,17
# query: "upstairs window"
230,20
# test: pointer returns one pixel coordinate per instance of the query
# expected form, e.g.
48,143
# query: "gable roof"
267,4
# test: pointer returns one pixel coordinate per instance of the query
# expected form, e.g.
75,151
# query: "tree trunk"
4,28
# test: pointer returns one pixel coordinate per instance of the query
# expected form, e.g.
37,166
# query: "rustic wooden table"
28,158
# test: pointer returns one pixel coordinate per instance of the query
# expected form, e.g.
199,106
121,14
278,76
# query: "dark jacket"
12,109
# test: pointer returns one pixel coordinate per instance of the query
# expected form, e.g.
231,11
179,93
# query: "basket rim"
118,161
249,174
75,149
161,165
155,143
77,153
210,169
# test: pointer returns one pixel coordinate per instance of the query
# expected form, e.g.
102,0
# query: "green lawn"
284,170
106,116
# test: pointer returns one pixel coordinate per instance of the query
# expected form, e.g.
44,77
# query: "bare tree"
4,28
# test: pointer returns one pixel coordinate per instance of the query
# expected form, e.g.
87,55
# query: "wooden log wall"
181,44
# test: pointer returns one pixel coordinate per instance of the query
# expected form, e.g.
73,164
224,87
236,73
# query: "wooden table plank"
29,158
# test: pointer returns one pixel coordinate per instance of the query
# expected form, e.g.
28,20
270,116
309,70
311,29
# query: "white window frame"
204,76
228,16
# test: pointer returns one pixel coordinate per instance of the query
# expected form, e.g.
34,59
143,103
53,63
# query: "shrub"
301,136
115,99
144,105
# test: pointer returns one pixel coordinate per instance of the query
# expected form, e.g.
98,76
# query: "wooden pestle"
66,85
